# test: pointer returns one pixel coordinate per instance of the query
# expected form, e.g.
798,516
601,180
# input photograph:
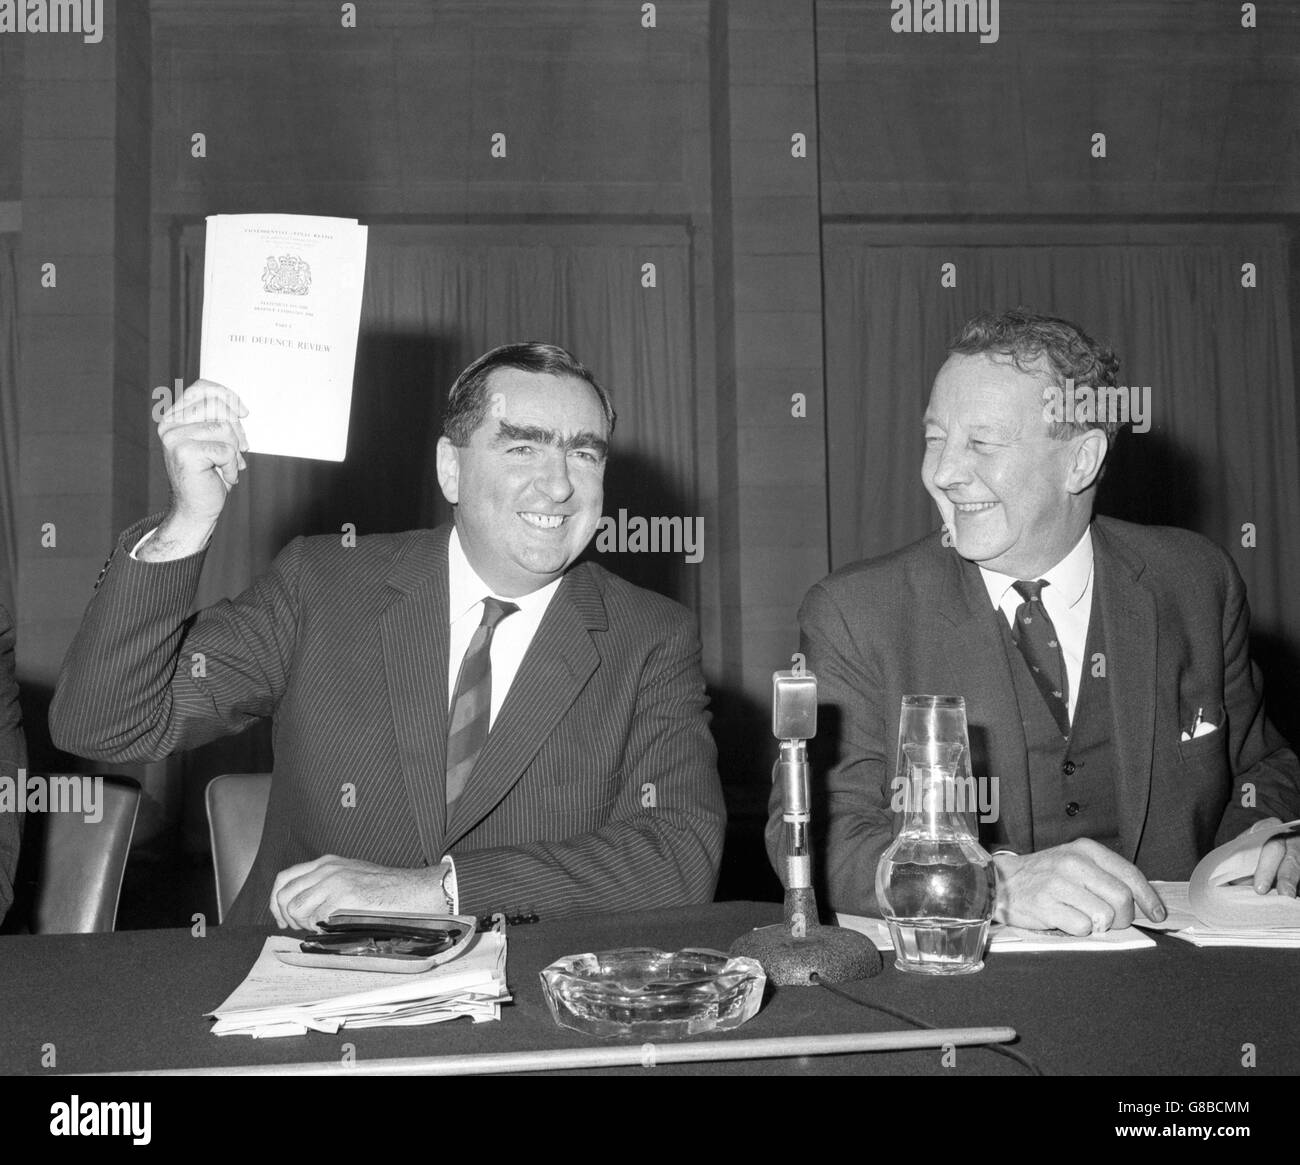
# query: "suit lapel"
417,680
559,662
1128,615
967,638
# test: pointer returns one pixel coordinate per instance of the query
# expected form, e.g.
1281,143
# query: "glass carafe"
935,883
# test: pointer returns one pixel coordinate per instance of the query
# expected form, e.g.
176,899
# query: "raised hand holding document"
281,310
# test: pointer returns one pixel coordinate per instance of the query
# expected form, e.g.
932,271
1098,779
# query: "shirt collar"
1068,578
465,588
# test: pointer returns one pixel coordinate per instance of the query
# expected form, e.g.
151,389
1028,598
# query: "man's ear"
1086,460
449,470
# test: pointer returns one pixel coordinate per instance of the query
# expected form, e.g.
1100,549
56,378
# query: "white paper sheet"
1013,938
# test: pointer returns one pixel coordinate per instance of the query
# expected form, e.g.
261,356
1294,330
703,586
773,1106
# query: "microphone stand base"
834,954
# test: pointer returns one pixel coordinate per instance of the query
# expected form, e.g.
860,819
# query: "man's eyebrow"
536,435
1003,430
587,440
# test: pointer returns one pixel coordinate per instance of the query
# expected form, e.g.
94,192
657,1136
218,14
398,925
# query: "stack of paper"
1183,922
1013,938
279,1000
1219,906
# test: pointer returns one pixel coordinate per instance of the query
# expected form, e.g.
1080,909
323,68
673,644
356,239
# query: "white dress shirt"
510,640
1068,599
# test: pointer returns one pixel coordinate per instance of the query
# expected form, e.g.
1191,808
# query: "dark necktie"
1034,634
471,707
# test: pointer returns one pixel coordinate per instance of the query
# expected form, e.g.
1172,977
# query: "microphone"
794,705
794,723
796,950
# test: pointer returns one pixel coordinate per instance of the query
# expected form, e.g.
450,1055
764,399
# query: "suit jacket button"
1068,768
1072,808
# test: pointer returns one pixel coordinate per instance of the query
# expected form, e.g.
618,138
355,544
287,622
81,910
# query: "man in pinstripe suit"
596,786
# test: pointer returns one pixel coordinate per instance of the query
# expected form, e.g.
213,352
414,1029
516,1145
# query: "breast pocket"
1212,744
1204,765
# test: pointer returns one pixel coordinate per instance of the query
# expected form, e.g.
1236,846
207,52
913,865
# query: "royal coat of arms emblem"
287,275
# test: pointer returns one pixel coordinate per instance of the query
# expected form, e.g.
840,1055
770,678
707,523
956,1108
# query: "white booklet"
281,311
1014,938
1219,906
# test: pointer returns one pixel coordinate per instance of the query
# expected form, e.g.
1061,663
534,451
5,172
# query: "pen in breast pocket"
1195,724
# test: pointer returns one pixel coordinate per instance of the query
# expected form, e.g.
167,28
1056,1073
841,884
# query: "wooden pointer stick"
647,1054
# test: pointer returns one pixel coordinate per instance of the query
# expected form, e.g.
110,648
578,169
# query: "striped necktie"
471,707
1034,634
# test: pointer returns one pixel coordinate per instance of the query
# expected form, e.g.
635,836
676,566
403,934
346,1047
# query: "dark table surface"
136,1000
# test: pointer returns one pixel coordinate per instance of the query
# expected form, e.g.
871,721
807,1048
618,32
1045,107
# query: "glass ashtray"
649,994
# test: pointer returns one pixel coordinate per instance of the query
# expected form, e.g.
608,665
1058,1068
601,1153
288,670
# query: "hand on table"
1080,887
306,894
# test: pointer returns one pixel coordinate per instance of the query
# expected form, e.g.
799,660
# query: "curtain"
1222,448
8,421
435,298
